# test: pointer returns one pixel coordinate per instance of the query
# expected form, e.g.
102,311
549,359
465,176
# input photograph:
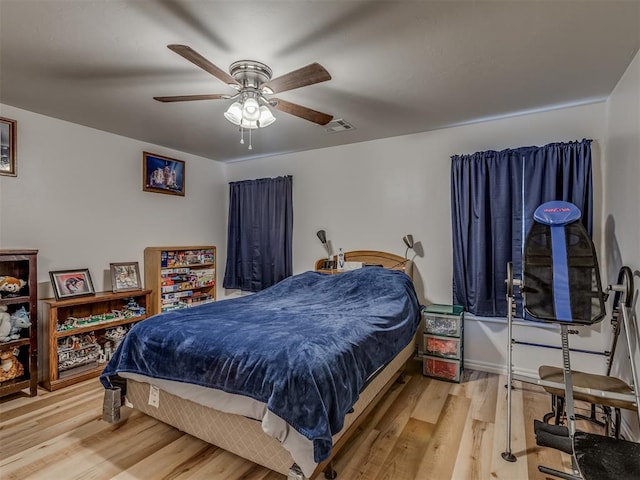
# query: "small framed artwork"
162,174
125,276
71,283
8,129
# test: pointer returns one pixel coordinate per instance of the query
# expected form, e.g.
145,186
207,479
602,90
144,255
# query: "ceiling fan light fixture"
266,117
251,110
234,113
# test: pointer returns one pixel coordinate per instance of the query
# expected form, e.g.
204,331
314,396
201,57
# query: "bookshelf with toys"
180,277
18,314
80,334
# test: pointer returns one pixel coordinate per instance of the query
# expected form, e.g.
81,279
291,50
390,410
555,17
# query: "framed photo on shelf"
72,283
125,276
8,143
162,174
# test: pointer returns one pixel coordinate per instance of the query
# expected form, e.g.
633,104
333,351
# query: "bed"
281,377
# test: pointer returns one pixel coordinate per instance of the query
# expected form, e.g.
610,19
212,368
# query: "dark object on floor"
606,457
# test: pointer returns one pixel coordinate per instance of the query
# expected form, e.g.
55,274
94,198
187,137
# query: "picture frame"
162,174
8,145
125,276
71,283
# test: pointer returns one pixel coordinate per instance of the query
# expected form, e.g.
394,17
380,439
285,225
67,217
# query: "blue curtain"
493,197
559,171
259,244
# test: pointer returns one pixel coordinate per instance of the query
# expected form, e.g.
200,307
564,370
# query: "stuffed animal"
19,319
10,286
5,324
10,329
10,366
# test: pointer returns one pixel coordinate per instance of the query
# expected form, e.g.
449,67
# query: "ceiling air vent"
338,125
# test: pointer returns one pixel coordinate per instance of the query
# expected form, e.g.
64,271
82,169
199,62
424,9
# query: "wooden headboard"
374,257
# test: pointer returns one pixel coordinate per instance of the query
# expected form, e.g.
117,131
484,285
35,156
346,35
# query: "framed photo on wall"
8,142
162,174
71,283
125,276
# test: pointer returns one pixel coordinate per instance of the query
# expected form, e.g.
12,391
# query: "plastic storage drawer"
443,320
441,368
450,347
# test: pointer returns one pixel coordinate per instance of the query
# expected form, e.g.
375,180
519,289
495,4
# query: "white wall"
369,195
78,199
621,215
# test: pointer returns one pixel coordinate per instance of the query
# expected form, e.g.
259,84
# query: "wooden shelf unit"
56,313
196,267
22,264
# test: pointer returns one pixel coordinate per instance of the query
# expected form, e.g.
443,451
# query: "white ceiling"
397,67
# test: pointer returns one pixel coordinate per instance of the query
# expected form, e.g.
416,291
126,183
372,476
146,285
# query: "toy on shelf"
5,324
10,366
11,286
77,350
19,319
10,325
116,335
133,309
106,352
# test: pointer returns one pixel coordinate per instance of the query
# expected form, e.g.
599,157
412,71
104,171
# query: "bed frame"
245,437
372,257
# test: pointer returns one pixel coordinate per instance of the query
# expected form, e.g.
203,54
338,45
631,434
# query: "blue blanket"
305,346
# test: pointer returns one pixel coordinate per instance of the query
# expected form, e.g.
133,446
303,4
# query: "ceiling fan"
254,86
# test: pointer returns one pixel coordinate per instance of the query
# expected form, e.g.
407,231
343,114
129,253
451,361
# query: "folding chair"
561,285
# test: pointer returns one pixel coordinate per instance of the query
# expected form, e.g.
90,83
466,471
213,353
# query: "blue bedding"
305,346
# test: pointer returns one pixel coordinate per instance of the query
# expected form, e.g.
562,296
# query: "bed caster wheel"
330,473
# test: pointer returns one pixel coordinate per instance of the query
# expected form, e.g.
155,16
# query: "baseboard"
485,367
497,368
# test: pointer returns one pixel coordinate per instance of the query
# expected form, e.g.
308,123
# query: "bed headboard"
374,257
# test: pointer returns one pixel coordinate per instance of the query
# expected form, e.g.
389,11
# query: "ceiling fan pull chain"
241,135
250,147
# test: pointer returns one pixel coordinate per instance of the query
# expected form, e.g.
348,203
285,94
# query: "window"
259,245
493,197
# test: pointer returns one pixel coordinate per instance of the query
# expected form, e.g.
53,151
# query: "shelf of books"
180,277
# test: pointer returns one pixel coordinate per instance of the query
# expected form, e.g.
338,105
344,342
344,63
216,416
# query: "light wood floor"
423,429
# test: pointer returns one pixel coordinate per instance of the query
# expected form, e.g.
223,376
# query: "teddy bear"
10,366
10,286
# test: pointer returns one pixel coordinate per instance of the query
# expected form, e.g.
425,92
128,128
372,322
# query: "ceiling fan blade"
197,59
313,73
188,98
300,111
